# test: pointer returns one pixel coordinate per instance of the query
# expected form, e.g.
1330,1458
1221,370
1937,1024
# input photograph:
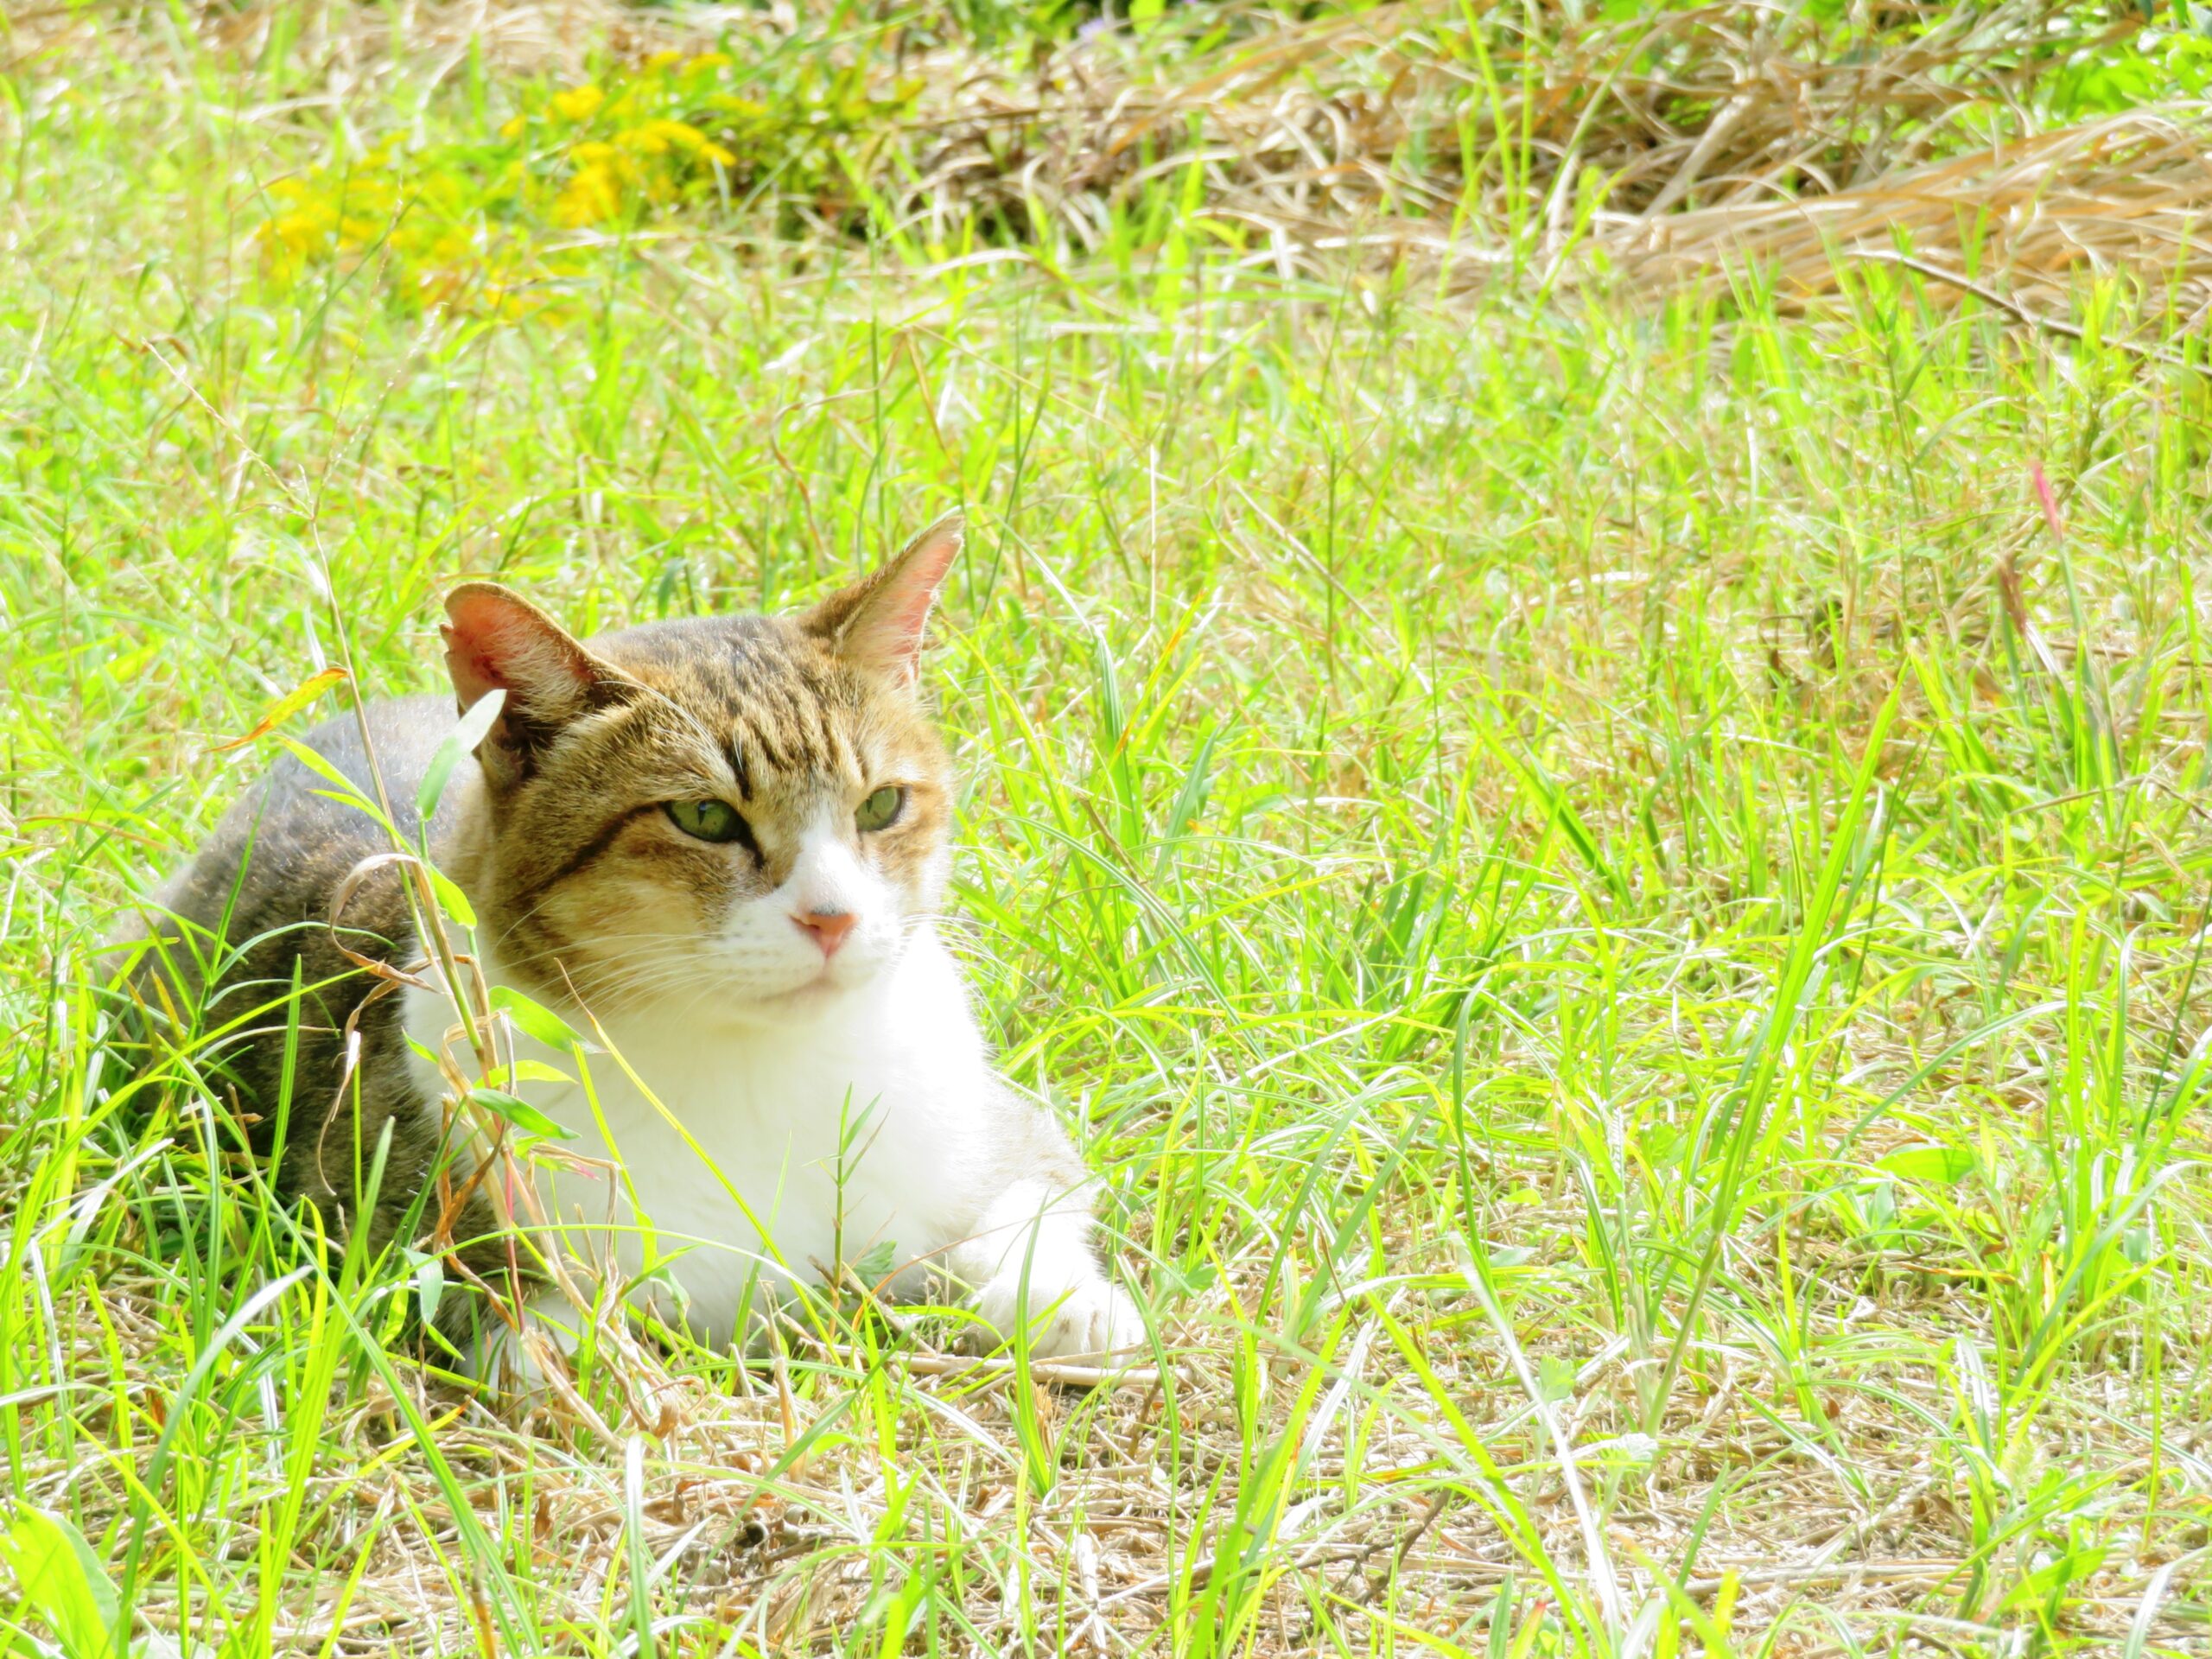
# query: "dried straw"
1659,149
2031,219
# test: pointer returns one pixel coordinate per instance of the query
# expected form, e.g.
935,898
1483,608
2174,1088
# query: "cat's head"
723,818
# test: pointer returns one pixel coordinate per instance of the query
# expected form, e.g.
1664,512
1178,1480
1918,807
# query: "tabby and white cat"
725,841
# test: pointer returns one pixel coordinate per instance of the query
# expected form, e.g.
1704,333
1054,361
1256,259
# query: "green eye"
882,810
708,820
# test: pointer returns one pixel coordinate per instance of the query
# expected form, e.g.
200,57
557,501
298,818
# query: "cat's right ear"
496,640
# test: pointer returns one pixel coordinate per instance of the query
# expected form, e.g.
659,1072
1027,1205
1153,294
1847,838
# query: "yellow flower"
679,134
516,128
594,195
578,103
295,236
661,60
706,63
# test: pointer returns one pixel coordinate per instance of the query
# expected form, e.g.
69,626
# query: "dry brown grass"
1698,138
1664,149
2036,217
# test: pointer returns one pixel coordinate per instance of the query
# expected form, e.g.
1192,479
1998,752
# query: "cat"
717,845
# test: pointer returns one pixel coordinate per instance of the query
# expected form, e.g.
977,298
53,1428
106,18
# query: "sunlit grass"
1616,895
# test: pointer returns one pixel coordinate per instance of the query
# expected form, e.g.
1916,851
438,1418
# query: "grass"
1617,886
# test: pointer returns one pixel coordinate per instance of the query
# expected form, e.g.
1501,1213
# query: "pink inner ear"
473,646
472,678
494,644
889,632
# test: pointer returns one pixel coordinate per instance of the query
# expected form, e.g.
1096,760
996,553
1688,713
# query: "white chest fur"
750,1154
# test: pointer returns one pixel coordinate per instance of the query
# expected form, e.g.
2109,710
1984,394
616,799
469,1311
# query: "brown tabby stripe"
590,852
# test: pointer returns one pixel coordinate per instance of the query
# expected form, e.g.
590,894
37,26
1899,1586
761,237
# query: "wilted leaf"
283,709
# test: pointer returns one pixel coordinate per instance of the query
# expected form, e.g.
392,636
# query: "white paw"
1089,1319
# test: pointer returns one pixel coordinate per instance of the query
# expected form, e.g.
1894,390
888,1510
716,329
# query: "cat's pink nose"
827,928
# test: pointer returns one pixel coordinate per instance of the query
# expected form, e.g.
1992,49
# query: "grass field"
1614,879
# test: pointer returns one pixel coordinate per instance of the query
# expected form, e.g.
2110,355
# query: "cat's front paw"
1092,1319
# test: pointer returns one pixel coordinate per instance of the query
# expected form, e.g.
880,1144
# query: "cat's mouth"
825,983
799,987
821,982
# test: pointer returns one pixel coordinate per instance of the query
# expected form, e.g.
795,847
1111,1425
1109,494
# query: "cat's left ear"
877,624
